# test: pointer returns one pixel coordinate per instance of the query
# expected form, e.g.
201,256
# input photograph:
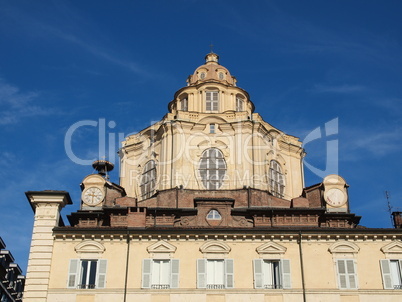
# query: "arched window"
276,179
148,180
214,215
212,168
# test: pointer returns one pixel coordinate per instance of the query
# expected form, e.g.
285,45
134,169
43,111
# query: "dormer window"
221,76
211,100
202,75
239,104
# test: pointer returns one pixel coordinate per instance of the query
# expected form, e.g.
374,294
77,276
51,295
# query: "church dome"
211,71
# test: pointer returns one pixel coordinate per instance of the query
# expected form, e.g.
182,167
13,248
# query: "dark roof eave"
205,231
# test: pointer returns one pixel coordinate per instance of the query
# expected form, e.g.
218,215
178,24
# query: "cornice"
238,235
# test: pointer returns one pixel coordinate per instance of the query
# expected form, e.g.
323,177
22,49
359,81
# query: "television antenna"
388,197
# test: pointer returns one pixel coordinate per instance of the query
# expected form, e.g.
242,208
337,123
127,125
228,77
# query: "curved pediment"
271,248
212,119
89,246
344,247
215,247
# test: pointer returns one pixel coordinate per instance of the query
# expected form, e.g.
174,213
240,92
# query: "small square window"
211,128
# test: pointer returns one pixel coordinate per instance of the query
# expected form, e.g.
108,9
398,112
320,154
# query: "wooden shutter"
174,273
215,100
101,274
258,274
386,274
208,96
73,273
352,277
285,271
146,273
347,277
229,276
340,265
201,273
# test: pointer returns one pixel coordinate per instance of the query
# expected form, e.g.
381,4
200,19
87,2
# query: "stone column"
46,206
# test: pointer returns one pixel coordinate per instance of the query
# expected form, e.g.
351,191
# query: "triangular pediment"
271,248
161,247
393,248
344,247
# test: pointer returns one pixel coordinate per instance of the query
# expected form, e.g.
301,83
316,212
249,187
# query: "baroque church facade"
211,206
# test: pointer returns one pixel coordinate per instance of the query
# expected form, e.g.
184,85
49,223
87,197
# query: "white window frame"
212,100
391,274
184,104
212,128
346,273
75,274
212,168
148,179
227,274
148,271
239,104
281,278
214,215
276,179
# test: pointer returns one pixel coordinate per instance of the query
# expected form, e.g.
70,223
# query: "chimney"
397,218
103,167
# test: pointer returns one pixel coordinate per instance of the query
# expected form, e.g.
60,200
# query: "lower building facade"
92,261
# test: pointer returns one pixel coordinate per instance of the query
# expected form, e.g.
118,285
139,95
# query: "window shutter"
229,276
386,274
73,273
350,266
341,274
101,275
208,101
258,274
174,271
201,273
146,273
285,271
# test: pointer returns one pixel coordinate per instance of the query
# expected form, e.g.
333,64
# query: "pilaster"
46,206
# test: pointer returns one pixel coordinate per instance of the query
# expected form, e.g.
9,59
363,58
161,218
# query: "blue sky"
304,63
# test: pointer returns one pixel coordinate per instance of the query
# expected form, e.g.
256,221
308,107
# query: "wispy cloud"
359,144
341,89
17,104
290,33
67,23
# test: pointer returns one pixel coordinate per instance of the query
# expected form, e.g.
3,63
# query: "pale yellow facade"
319,252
